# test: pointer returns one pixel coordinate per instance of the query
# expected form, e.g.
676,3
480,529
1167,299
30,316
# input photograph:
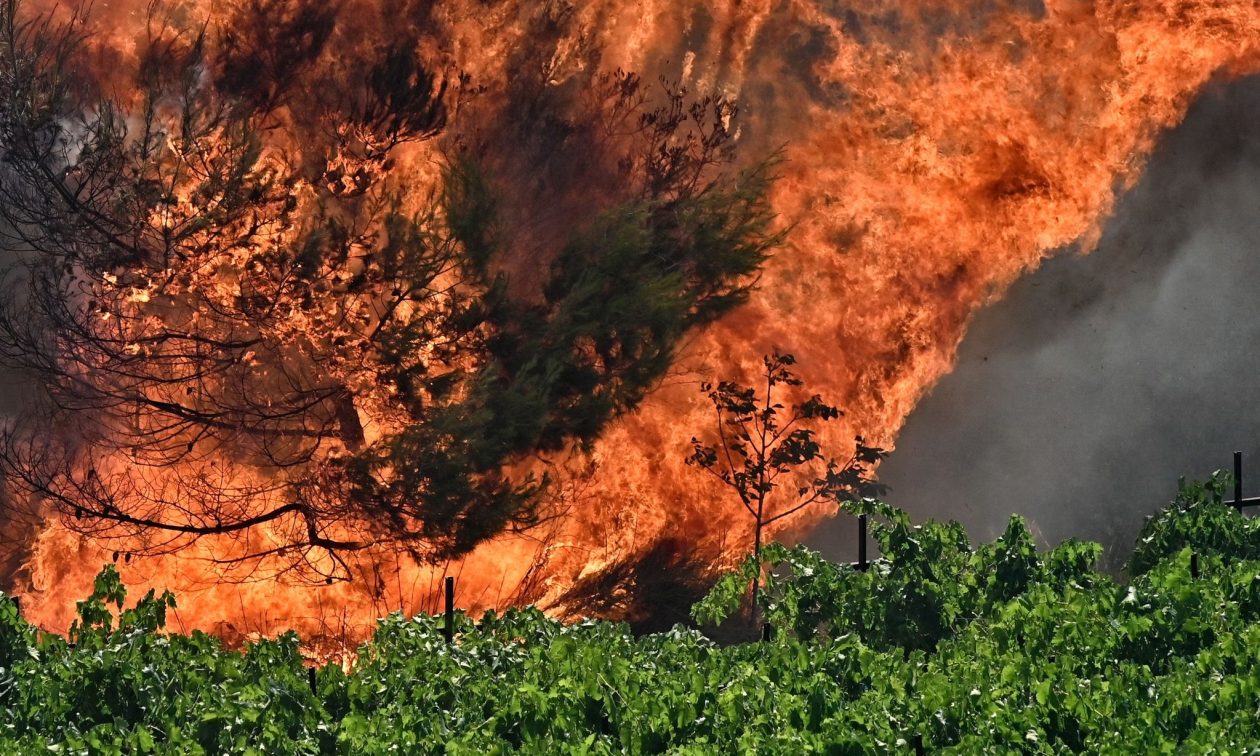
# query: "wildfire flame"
936,150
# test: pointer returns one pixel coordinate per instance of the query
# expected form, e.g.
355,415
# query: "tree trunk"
753,612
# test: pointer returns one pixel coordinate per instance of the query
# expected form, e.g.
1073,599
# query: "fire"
936,150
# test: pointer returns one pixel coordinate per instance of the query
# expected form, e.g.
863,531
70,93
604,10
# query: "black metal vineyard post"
1238,499
449,629
862,563
1238,503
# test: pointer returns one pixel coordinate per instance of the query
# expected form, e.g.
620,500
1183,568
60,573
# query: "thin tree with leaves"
768,452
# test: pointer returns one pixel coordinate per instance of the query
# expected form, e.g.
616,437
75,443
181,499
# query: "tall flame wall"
935,152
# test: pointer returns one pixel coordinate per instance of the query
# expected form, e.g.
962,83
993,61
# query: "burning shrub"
253,317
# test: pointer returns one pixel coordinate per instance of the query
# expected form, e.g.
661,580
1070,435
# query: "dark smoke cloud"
1080,398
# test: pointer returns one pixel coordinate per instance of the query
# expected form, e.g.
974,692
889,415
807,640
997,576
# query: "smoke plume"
1080,398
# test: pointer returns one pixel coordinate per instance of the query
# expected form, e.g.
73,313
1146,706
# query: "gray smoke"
1080,398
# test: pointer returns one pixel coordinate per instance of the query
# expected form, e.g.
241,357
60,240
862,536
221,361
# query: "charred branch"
247,327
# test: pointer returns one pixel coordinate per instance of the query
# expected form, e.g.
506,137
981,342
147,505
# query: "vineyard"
939,646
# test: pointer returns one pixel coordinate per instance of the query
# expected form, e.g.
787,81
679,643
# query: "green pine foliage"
995,649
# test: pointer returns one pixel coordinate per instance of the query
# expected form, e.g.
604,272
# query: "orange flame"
936,151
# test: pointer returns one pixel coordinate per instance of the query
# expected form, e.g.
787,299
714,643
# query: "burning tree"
247,321
770,456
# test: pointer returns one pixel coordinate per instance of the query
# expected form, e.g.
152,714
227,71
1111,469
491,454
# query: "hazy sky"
1080,398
